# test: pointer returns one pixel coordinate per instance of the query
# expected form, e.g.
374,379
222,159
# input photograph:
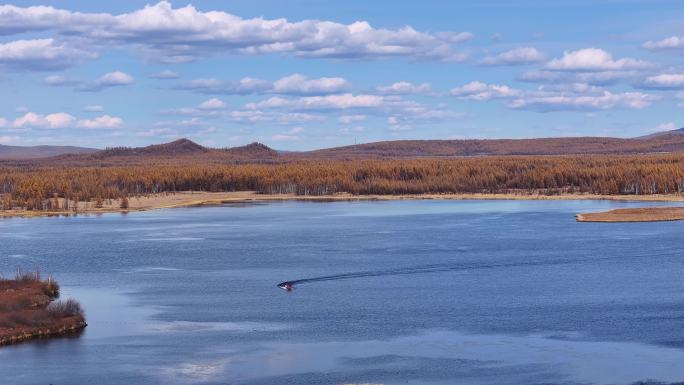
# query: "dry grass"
643,214
28,308
192,198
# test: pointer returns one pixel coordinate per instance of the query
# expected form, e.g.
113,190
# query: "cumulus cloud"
481,91
244,86
337,102
595,77
62,120
108,80
256,116
544,101
104,121
59,81
593,59
295,84
212,104
664,81
669,126
184,34
556,97
56,120
300,84
327,102
40,54
518,56
670,43
404,88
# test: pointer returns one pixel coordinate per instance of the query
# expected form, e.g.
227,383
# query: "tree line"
44,187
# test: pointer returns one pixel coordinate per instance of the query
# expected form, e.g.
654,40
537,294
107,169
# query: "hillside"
668,142
25,152
185,150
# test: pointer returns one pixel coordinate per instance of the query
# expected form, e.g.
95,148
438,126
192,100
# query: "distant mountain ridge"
669,141
31,152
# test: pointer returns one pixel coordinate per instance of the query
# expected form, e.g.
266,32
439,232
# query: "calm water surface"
471,292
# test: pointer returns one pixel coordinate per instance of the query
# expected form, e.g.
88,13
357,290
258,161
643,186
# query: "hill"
29,152
185,150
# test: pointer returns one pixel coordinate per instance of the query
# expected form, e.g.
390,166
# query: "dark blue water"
449,292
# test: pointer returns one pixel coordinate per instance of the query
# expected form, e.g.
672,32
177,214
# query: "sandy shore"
189,198
644,214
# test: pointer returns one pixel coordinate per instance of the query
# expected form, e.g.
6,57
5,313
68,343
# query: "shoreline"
641,214
190,198
30,310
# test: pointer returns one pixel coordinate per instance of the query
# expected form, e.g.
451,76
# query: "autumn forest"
42,186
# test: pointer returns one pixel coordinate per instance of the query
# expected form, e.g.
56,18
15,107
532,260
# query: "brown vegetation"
28,309
42,187
642,214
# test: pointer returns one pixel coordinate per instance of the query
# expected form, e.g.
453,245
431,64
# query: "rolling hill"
187,150
23,152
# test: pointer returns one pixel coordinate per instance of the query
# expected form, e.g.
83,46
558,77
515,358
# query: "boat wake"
421,269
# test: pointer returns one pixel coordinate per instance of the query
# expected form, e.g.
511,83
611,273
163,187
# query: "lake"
400,292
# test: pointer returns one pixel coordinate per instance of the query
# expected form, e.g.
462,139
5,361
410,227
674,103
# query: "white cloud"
184,34
3,123
244,86
301,85
116,78
164,75
670,43
296,130
595,77
593,59
255,116
669,126
58,81
62,120
110,79
665,81
518,56
295,84
481,91
104,121
212,104
404,88
554,101
56,120
40,54
93,108
343,101
346,119
327,102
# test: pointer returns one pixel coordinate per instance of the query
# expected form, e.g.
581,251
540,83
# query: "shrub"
66,308
51,287
27,276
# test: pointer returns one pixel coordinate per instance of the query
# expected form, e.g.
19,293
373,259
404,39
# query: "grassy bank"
190,198
29,309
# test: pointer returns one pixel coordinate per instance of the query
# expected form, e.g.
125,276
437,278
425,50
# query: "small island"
641,214
29,309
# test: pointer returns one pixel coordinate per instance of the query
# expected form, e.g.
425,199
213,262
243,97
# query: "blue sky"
310,74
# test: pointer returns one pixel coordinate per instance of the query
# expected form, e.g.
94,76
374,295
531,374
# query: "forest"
41,186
